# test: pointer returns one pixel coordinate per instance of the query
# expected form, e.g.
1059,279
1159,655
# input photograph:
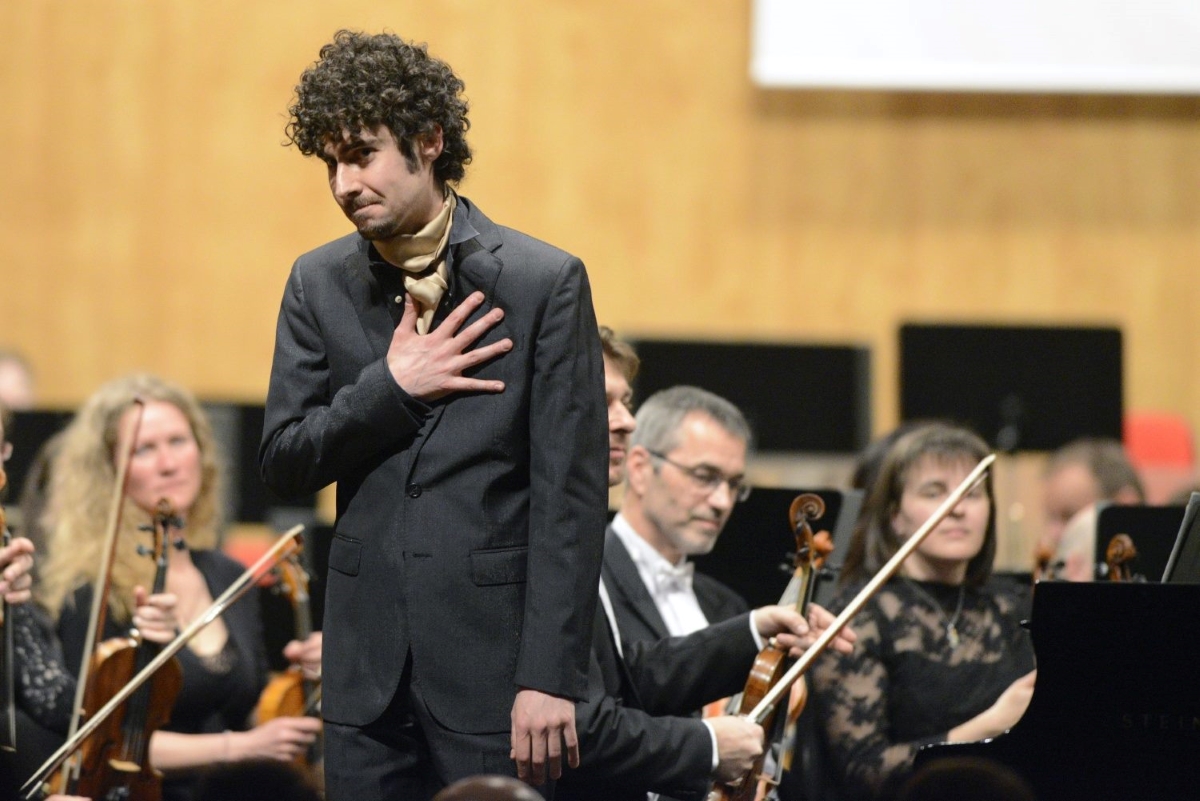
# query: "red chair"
1161,447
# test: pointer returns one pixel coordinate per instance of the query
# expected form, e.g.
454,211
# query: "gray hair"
660,416
1105,459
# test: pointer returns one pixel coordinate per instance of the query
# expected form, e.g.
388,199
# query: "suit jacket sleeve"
644,738
678,675
568,490
309,438
626,750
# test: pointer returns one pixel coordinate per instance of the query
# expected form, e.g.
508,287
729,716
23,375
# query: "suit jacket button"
413,490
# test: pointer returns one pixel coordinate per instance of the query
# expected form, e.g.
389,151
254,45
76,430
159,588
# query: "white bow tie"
674,578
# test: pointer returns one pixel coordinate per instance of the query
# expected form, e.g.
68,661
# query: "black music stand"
1153,530
28,432
1023,388
799,398
755,552
1183,566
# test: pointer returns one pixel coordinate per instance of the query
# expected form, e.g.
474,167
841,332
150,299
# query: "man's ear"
639,465
429,145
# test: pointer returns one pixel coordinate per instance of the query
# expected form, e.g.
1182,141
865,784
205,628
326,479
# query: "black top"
45,688
905,686
219,692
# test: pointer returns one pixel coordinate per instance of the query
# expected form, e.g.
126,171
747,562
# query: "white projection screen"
1078,46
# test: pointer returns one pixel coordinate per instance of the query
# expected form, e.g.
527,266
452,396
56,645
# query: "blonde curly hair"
82,477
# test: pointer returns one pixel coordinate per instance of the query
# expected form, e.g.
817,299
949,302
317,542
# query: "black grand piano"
1115,713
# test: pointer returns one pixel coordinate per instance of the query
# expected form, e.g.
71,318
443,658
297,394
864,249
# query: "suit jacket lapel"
707,601
362,287
472,267
625,582
473,263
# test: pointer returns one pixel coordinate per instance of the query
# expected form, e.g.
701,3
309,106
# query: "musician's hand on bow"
430,366
154,615
541,724
739,744
306,654
793,632
16,560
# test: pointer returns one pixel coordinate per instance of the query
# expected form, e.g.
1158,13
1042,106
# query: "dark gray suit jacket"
635,735
637,616
468,528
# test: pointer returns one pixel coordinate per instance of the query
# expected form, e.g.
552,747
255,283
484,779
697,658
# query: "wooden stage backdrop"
150,212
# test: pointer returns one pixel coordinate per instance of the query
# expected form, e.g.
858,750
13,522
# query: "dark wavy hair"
366,80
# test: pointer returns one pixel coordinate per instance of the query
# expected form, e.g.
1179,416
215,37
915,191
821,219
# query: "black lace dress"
44,688
906,685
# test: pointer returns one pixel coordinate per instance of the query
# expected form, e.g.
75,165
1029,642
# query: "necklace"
951,623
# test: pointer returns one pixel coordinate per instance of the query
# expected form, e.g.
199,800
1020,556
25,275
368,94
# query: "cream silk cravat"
423,258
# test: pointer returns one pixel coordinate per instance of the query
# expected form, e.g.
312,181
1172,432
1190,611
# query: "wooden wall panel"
149,214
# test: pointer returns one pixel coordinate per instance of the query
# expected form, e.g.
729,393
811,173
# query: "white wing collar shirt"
669,585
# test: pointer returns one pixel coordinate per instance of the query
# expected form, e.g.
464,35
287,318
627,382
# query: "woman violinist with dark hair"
941,655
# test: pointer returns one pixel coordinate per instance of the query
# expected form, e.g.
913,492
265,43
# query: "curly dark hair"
365,80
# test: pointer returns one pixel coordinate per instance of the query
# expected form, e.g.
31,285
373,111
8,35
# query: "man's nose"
722,496
344,182
621,420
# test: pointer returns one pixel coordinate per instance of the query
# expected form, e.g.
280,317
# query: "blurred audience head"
254,780
959,778
488,788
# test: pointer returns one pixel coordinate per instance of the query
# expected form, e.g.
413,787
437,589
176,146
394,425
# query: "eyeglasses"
708,478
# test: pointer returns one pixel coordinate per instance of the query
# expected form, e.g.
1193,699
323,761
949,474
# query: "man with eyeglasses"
635,733
684,472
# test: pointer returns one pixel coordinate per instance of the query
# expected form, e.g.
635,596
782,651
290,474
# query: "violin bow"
104,576
768,702
32,788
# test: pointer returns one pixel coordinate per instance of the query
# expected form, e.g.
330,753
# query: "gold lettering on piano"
1160,722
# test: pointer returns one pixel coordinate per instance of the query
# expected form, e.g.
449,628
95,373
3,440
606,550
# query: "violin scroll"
1118,556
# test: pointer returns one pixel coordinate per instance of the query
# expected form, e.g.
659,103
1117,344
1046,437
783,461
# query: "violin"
770,663
35,787
115,762
820,546
1045,567
72,766
1118,556
290,694
765,708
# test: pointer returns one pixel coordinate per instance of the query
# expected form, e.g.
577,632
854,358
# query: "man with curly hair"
446,372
